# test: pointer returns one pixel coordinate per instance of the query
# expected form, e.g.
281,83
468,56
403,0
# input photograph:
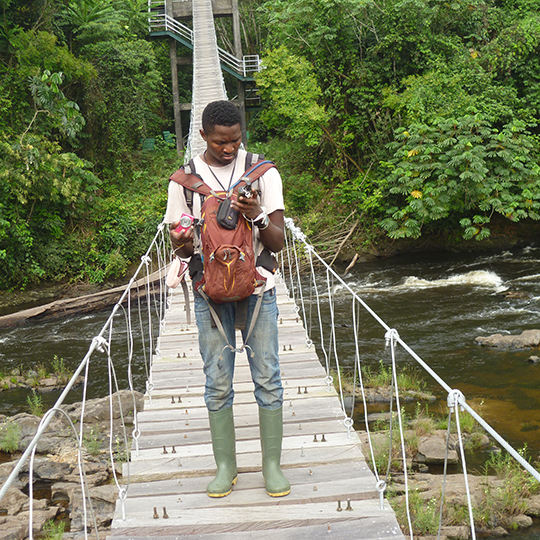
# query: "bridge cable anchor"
380,486
455,399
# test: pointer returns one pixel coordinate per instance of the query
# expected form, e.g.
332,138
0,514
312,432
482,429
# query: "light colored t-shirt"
270,186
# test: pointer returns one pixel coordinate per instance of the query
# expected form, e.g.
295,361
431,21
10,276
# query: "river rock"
98,410
13,501
533,506
533,359
384,394
28,426
432,450
461,532
497,531
50,471
520,521
103,502
526,340
13,529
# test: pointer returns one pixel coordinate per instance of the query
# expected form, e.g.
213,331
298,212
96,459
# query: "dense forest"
404,117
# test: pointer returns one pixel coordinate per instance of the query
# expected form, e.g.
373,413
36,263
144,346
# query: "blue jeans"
262,353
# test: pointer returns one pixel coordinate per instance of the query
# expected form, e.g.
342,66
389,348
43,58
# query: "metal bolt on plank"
156,515
164,450
165,515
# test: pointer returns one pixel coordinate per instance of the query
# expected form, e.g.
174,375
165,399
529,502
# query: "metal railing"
161,22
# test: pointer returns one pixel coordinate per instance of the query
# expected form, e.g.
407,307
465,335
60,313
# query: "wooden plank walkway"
321,473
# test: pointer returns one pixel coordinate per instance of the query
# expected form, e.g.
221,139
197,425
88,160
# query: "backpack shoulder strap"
252,159
192,182
254,172
187,177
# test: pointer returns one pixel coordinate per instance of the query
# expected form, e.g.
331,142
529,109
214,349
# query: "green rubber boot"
224,446
271,426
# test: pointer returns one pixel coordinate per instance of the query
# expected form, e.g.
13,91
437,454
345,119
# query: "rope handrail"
98,343
456,400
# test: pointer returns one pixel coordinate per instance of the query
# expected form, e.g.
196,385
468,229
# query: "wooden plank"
170,466
163,435
255,517
300,409
350,528
298,476
315,492
333,442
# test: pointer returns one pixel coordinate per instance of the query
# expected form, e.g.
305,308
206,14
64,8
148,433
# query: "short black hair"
220,113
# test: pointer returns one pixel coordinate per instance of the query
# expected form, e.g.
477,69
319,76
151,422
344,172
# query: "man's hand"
181,240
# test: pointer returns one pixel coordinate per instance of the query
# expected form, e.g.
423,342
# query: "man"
220,166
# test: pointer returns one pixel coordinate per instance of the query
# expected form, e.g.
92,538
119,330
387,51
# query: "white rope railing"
290,264
145,276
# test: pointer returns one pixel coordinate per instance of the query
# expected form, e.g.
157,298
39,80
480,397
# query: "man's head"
219,113
222,132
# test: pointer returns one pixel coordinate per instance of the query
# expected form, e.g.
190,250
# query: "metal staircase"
160,24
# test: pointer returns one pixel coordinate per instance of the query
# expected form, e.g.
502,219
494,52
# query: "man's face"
222,144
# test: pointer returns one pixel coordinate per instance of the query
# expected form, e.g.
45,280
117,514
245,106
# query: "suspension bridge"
161,491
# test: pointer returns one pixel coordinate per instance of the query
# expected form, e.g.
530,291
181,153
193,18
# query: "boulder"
520,521
461,532
533,506
98,410
51,471
39,518
432,450
526,340
13,529
13,501
103,503
28,426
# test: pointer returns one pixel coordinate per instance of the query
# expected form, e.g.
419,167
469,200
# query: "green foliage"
424,513
60,369
288,86
53,530
461,167
408,377
35,404
92,443
508,497
10,436
123,102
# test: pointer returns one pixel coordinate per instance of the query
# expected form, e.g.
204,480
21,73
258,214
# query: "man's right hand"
181,240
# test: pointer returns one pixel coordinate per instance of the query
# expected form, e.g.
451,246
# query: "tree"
463,168
290,91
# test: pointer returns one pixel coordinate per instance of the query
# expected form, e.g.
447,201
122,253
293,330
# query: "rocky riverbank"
57,491
503,495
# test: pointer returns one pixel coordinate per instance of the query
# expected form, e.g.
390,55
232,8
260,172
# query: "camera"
186,221
246,191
